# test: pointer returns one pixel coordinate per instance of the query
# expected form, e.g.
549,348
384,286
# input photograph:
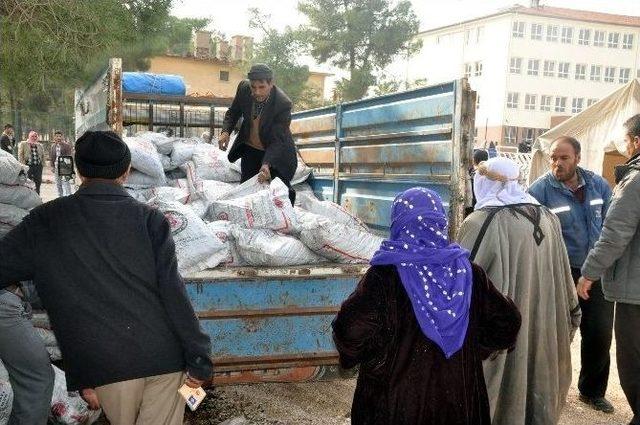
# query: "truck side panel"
272,327
366,152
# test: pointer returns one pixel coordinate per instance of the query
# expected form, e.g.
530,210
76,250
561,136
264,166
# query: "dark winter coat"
280,150
405,379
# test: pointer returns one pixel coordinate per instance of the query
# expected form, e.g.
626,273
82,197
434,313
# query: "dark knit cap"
102,154
260,71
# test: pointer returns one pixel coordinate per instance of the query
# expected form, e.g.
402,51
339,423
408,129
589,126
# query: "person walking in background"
420,323
520,245
31,153
59,148
614,258
7,141
580,199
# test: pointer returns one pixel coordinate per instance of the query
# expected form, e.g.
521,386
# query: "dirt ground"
328,403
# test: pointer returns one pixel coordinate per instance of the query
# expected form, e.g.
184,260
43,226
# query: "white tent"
598,128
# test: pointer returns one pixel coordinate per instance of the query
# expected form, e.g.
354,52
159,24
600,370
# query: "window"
510,135
577,105
545,103
614,39
478,67
529,135
627,41
475,135
477,101
563,69
518,30
536,31
549,68
468,68
561,104
584,37
638,73
625,74
534,67
530,102
512,100
479,32
467,36
552,32
591,102
598,39
610,74
581,71
567,35
596,72
515,65
224,75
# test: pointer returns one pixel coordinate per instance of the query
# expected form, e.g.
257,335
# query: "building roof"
554,12
580,15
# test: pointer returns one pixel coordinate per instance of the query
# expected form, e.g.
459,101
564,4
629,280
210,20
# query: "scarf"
437,275
496,184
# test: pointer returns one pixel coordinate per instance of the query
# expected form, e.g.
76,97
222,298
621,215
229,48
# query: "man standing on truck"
264,143
110,283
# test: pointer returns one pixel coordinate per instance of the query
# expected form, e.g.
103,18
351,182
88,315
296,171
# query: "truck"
104,105
273,324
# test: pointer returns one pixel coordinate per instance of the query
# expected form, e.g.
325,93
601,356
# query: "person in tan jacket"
31,153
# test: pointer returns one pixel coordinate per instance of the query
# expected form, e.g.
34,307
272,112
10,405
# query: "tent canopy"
598,128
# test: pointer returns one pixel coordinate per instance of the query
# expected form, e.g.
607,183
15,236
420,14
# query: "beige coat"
24,153
529,385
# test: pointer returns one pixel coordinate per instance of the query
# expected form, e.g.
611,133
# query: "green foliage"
390,85
361,36
148,32
48,47
281,50
179,33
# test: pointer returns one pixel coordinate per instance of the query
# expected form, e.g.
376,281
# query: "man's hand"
91,397
223,141
583,288
193,382
264,175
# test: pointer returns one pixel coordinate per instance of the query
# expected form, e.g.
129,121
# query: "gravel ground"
328,403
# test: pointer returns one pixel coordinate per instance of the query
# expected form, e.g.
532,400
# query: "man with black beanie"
264,142
126,329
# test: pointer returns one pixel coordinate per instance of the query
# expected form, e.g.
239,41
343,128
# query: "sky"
231,17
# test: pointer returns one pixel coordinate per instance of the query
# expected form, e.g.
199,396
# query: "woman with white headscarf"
519,244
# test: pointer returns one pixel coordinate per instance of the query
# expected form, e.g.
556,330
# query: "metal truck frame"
274,324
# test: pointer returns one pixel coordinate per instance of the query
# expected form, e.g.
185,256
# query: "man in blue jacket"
580,199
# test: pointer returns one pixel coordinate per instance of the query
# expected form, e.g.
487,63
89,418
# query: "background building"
532,67
216,66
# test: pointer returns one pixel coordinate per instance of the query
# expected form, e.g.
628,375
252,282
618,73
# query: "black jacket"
105,268
6,144
280,150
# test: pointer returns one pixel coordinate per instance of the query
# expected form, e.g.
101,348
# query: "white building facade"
530,66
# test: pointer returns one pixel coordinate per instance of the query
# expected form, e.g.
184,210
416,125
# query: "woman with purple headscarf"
420,323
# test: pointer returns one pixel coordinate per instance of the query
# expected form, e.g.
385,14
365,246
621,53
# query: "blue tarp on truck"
148,83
